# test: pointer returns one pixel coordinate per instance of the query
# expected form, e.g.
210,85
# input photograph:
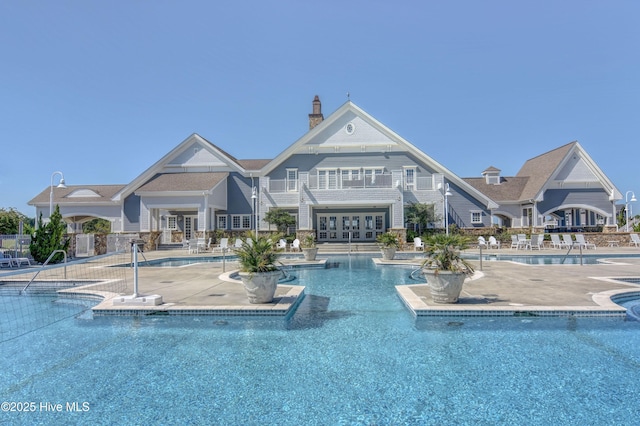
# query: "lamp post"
626,207
446,194
60,185
254,206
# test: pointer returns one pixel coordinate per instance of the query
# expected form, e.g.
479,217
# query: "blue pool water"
351,354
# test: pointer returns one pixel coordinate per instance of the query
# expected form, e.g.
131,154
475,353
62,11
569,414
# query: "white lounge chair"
567,240
193,245
482,243
514,242
249,242
223,245
295,245
581,242
635,240
537,242
523,242
493,243
237,244
418,244
6,260
281,245
556,242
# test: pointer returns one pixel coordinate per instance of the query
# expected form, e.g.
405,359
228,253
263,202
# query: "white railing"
422,183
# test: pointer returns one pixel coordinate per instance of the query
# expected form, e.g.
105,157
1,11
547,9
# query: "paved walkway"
498,288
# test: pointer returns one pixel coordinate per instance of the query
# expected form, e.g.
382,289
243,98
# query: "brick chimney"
316,117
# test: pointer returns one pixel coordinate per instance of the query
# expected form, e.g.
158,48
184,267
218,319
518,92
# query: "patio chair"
193,245
567,240
237,244
281,245
6,260
482,243
537,242
418,244
523,242
556,242
514,242
223,246
581,242
295,245
635,240
249,242
493,243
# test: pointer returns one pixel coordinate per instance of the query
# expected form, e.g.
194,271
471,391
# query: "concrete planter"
388,253
260,286
310,253
445,286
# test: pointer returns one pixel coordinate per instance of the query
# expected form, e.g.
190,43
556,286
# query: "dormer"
491,176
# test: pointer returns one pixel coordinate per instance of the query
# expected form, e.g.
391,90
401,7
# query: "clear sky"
101,90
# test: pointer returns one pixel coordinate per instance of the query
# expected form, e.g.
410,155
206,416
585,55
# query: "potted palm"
388,243
444,268
258,271
309,248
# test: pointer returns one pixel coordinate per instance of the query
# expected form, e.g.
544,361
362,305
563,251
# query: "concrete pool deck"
499,288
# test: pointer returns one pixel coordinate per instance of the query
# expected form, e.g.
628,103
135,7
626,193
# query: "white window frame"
410,177
292,180
240,221
172,222
221,221
328,178
475,213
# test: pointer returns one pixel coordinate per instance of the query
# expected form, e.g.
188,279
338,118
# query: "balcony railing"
337,182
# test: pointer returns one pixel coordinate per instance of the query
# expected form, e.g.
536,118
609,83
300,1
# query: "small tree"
10,222
281,218
97,226
48,238
420,215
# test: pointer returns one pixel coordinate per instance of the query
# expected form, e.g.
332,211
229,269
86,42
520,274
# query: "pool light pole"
446,194
626,207
254,205
60,185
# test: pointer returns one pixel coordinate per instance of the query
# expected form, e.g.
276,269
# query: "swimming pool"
351,354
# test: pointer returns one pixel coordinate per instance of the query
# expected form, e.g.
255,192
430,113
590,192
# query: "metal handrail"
53,253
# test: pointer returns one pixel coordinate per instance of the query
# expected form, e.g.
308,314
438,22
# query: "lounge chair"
295,245
223,246
249,242
556,242
482,243
281,245
493,243
418,244
581,242
522,241
6,260
635,240
237,244
567,240
194,247
514,242
537,242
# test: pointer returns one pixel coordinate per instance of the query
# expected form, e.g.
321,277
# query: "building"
348,178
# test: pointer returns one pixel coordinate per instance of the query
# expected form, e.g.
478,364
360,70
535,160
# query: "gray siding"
591,198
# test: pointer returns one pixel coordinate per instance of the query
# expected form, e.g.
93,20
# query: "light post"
446,196
254,206
60,185
626,207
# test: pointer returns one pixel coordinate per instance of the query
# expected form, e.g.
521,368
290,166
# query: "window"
172,222
409,178
292,179
222,221
241,221
476,217
327,179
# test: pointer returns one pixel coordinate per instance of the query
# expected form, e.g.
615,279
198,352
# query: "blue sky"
102,90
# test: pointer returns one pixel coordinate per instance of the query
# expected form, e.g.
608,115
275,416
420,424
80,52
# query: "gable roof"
537,173
94,194
173,159
183,182
320,137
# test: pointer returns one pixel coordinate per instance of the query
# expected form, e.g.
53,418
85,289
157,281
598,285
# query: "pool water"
351,354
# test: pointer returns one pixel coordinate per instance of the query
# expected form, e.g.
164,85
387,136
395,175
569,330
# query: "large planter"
310,253
260,286
445,286
388,253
